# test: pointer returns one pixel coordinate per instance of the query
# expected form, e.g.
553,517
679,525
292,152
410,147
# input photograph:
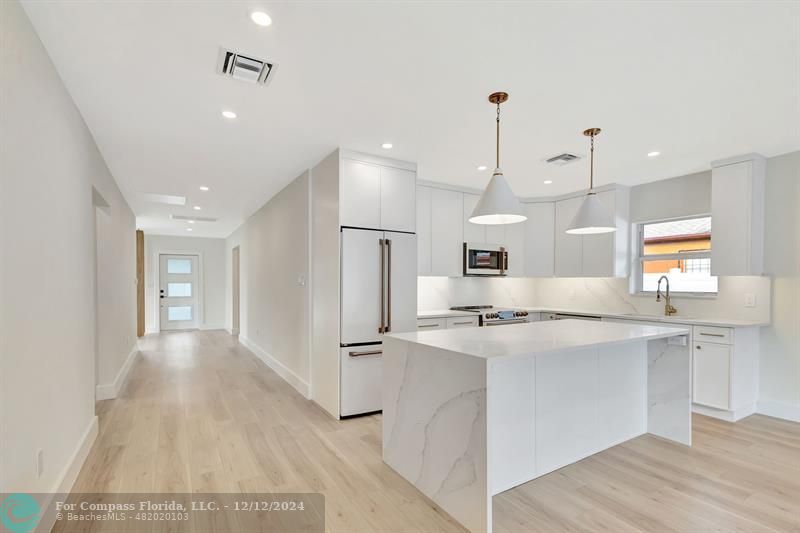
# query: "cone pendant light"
497,204
592,216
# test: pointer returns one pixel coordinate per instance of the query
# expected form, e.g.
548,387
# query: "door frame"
156,262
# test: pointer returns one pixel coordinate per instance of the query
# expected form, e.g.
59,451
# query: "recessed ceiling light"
260,18
386,146
203,188
188,229
548,182
229,114
197,208
653,154
481,167
190,221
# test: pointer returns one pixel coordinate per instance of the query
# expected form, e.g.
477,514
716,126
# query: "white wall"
780,342
212,276
274,259
48,166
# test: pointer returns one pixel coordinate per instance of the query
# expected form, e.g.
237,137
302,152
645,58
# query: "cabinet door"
730,218
515,244
359,194
568,248
398,206
423,231
539,239
712,372
598,255
447,233
472,232
496,234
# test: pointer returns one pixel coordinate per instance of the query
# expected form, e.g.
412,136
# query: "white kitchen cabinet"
495,234
472,232
454,322
601,255
359,194
424,324
447,232
712,368
568,248
514,241
424,231
539,239
376,196
398,199
737,216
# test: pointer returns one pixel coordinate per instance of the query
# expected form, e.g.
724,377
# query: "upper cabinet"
472,232
539,239
424,259
602,255
447,232
737,216
375,195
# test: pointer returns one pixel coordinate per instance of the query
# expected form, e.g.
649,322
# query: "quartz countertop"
536,337
675,319
692,321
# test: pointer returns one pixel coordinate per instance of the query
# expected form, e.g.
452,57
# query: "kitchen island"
470,413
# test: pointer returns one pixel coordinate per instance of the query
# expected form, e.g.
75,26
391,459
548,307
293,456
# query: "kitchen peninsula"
469,413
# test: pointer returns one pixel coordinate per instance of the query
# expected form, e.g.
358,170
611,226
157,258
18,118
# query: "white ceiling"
696,81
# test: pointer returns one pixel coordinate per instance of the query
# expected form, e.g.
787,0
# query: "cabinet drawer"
462,322
712,374
713,334
424,324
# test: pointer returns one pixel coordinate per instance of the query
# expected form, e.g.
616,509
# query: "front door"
178,290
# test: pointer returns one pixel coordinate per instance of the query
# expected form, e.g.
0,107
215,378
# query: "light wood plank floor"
200,413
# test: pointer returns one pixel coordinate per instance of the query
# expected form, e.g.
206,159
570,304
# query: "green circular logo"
20,513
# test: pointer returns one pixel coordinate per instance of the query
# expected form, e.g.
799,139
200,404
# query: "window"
179,313
680,250
179,266
179,290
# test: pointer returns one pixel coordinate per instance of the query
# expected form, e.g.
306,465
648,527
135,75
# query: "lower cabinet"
712,371
449,322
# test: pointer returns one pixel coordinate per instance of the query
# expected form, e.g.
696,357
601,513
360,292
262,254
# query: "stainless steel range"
495,316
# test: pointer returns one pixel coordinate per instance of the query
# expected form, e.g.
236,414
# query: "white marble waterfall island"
469,413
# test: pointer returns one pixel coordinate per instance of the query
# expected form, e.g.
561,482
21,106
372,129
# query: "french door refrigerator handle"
382,328
388,327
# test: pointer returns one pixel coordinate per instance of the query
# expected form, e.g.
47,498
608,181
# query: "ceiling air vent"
244,67
198,219
562,159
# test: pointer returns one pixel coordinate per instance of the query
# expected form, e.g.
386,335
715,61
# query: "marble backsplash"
610,295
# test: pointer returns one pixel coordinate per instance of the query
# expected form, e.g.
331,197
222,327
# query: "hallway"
201,413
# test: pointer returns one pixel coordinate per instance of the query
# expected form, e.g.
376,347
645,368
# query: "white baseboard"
67,479
784,410
212,326
111,390
282,370
723,414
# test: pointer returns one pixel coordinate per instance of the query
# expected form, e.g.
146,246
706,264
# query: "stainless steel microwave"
485,259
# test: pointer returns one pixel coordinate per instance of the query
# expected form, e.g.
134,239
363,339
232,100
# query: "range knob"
524,313
488,315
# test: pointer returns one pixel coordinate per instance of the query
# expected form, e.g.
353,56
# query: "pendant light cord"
497,159
591,164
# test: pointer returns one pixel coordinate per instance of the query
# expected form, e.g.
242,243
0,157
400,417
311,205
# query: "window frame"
639,258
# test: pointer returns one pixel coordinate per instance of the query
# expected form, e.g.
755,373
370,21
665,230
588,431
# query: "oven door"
506,322
485,260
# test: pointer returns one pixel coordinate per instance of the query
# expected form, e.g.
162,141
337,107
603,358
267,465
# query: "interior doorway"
178,291
235,291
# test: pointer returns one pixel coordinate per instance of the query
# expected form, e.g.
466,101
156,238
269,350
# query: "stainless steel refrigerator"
379,295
